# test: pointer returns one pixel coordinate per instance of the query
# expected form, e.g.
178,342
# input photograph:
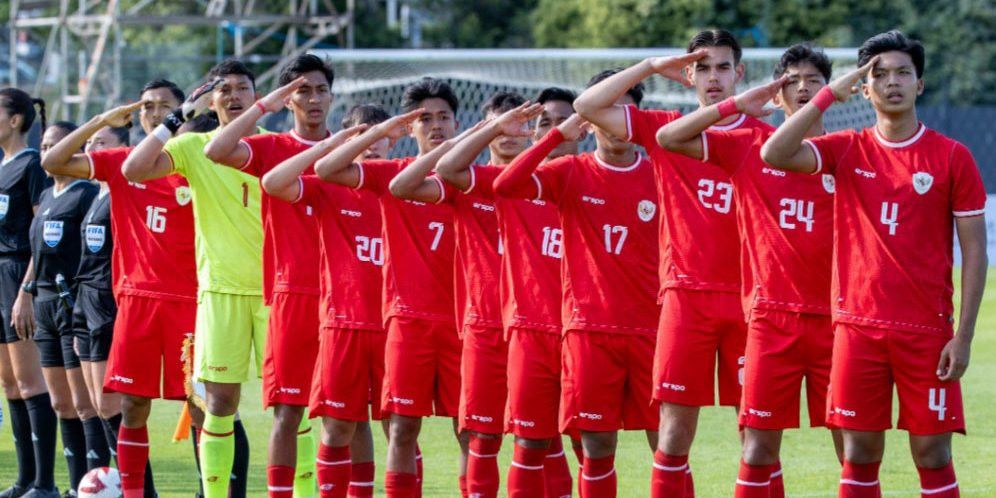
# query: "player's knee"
931,453
599,444
10,388
532,444
864,447
337,432
759,452
64,407
404,432
222,399
287,418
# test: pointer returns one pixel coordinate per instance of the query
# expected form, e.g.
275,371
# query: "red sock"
133,456
938,483
670,472
859,480
777,484
482,467
753,481
398,485
463,487
334,469
418,471
361,480
525,477
556,472
598,477
280,481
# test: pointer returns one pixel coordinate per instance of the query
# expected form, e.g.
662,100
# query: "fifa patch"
646,210
52,233
96,235
922,182
183,196
4,205
829,184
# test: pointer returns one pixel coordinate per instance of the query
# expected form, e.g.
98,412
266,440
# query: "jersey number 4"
796,211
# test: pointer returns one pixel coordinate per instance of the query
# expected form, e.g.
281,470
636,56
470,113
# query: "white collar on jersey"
57,193
732,126
15,156
305,141
905,143
610,167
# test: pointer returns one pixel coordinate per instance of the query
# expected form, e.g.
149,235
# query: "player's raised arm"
147,160
338,166
974,264
517,180
282,180
413,183
598,104
226,147
785,149
65,158
683,135
454,166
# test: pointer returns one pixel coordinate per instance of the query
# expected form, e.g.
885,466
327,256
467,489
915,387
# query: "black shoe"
14,491
42,493
69,494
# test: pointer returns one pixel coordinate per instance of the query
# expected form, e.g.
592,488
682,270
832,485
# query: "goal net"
380,76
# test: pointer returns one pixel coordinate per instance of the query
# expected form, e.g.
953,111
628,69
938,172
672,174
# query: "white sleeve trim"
629,123
816,152
442,189
966,214
359,185
705,147
473,180
539,188
248,159
89,161
300,190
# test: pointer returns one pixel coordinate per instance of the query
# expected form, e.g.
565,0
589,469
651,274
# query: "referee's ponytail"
41,112
17,102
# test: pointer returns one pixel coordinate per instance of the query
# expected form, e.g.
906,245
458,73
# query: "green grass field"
811,469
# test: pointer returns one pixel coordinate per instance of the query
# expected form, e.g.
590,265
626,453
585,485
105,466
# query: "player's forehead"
554,109
234,81
104,135
314,79
716,56
892,60
161,95
803,69
436,106
54,134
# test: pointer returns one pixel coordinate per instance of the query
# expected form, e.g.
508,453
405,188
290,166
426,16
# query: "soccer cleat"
42,493
14,491
69,493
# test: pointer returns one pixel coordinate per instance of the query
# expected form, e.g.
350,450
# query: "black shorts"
93,323
12,271
54,333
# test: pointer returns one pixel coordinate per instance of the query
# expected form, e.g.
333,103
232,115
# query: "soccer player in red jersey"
702,320
483,389
529,287
610,312
422,357
290,256
786,231
155,281
900,188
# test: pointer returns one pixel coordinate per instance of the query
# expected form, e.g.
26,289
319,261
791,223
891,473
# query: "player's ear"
741,70
919,86
689,72
778,100
866,90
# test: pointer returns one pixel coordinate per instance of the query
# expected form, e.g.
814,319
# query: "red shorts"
783,347
148,340
867,361
348,374
696,329
421,368
533,383
291,349
609,382
483,380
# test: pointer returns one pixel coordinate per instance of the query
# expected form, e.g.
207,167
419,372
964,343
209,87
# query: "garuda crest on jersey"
646,209
922,182
183,195
829,183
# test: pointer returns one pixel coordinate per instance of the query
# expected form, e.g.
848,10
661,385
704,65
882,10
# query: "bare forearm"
57,158
454,166
282,182
784,149
223,148
328,167
141,164
683,135
411,183
973,282
604,94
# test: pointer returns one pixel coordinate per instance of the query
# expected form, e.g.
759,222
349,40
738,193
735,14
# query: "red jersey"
786,224
352,253
153,228
418,243
290,234
532,246
698,229
478,257
610,221
893,217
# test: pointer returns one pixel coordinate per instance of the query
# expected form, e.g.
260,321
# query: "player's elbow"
214,152
399,188
131,170
665,139
504,188
771,155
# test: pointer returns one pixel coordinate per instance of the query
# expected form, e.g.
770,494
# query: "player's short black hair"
306,63
154,84
232,66
501,102
636,92
123,133
716,38
804,52
556,93
66,126
201,124
428,88
368,114
17,102
891,41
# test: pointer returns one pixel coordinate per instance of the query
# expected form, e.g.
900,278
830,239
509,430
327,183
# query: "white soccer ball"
102,482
